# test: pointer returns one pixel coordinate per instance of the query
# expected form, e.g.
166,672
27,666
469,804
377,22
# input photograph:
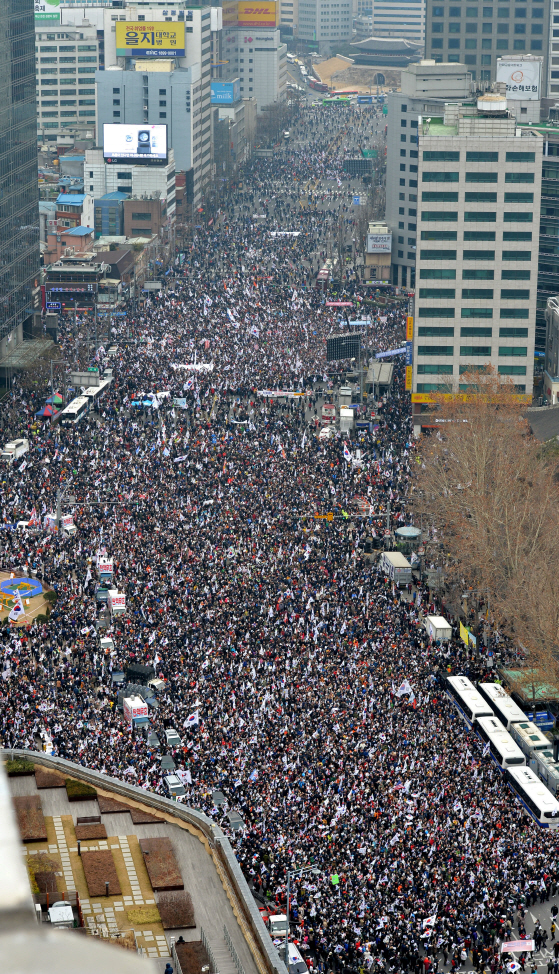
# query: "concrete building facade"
479,188
477,35
259,58
424,89
136,181
323,23
67,60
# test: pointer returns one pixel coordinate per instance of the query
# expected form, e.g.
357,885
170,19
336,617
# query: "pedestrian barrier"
208,949
234,955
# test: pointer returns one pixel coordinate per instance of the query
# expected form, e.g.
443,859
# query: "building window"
479,235
476,294
479,216
511,369
517,255
514,313
429,368
473,332
439,216
513,351
446,293
435,350
436,313
482,156
141,216
163,103
479,255
438,255
476,350
513,332
514,294
116,114
162,114
116,101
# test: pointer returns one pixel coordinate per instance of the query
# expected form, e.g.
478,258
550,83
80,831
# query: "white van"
296,963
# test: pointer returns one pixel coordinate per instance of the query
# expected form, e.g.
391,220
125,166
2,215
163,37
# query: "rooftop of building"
171,873
117,195
77,231
72,199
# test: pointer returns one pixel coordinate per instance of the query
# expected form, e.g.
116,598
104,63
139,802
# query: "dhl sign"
257,14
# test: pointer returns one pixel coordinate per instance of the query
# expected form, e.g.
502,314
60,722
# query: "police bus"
505,708
532,793
469,703
502,748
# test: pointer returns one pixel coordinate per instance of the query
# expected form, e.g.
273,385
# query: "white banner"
522,78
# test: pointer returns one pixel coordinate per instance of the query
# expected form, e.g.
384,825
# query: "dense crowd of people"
285,650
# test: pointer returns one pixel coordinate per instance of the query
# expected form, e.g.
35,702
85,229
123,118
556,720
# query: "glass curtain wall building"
19,194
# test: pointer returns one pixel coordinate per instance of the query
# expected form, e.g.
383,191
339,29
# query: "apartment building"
478,34
479,177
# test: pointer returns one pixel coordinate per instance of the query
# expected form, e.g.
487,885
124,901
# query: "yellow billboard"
409,370
409,328
153,39
258,14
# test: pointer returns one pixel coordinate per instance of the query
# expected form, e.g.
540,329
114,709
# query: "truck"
328,414
277,925
347,419
438,628
67,525
104,568
116,602
396,567
14,450
135,711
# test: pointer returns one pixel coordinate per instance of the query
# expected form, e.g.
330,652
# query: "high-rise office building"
392,18
477,35
19,195
479,178
322,24
67,59
425,87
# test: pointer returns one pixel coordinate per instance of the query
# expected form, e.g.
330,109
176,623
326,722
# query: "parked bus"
365,99
469,703
504,706
74,411
532,793
502,748
318,85
347,92
529,737
323,278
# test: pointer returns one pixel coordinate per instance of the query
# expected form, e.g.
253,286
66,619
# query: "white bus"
502,748
547,769
532,793
529,737
506,709
74,411
94,393
469,703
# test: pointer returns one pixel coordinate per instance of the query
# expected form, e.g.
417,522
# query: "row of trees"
491,491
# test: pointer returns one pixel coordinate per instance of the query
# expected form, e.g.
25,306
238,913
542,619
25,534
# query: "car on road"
173,786
173,739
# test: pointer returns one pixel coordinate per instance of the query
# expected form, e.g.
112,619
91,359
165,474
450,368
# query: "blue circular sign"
25,587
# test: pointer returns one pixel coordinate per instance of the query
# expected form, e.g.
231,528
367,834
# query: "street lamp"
294,872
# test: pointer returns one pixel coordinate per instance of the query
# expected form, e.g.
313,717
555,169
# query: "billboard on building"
153,39
257,14
226,92
522,78
379,243
229,13
143,144
47,10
